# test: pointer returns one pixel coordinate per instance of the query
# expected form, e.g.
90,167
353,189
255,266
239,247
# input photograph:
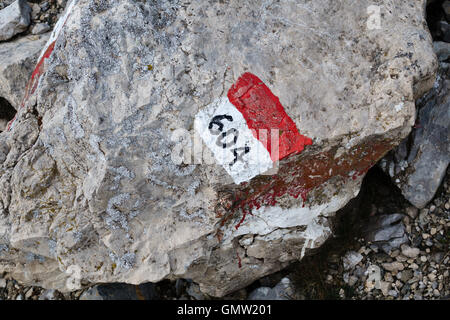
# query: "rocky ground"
44,14
383,248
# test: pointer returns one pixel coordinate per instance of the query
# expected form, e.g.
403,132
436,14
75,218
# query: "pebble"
412,212
414,266
393,293
393,266
410,252
40,28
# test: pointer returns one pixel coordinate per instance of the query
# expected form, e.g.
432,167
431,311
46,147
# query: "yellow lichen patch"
99,266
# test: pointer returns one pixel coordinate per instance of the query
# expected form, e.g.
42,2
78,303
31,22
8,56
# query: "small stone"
373,277
342,293
436,293
425,236
385,287
432,208
352,281
351,259
447,206
35,10
388,277
412,212
49,295
395,253
45,6
2,283
393,293
406,275
40,28
393,266
414,266
193,290
29,293
410,252
423,259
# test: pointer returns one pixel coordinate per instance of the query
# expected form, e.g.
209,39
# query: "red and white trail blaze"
40,66
263,112
249,130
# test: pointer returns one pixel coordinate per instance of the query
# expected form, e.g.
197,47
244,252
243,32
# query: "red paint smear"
262,110
299,176
239,260
34,80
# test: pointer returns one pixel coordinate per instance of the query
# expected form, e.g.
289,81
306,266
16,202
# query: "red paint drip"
298,177
239,260
263,113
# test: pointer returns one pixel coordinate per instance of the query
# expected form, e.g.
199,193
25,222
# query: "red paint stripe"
34,80
263,112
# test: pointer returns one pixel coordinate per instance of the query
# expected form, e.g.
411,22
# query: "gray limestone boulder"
418,165
14,19
92,190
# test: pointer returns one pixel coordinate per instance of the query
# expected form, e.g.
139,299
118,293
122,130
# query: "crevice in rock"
435,14
7,113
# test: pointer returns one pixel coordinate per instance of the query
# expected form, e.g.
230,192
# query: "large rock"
418,165
91,188
17,61
14,19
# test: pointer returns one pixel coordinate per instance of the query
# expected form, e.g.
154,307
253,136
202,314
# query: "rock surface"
282,291
14,19
120,292
419,164
88,189
40,28
386,231
16,69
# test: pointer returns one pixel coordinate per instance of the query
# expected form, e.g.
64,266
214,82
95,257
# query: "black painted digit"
226,144
217,120
239,154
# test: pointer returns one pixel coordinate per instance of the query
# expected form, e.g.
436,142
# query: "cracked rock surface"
89,192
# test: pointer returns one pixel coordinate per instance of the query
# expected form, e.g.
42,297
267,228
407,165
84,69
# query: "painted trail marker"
249,131
45,54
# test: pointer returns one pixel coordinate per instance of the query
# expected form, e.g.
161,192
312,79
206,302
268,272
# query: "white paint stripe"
254,163
58,27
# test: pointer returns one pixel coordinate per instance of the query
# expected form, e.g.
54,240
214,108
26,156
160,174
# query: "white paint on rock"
255,162
58,27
